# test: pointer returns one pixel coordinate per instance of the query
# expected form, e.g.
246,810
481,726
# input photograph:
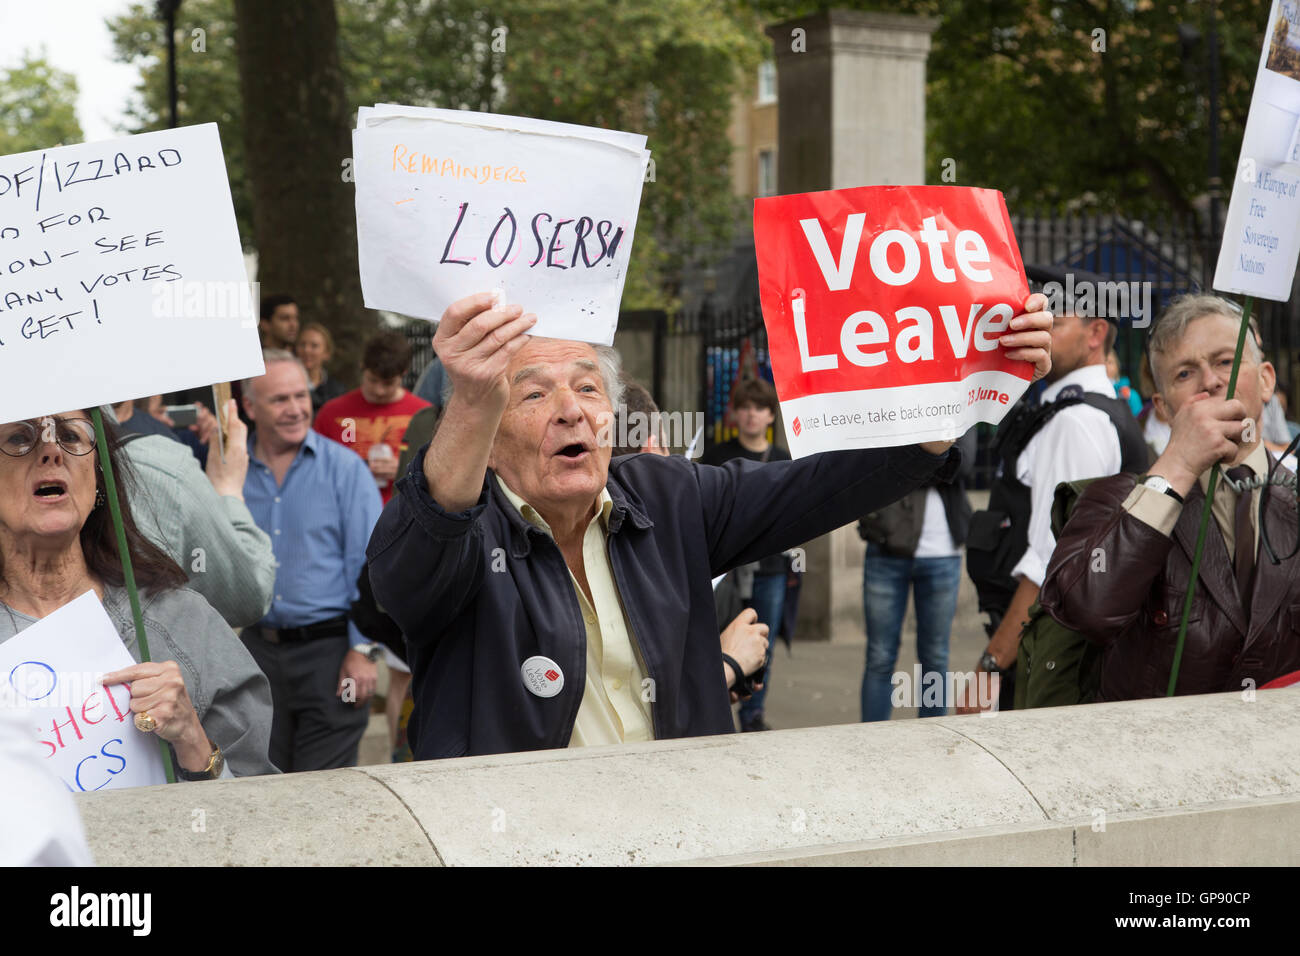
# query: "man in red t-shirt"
372,419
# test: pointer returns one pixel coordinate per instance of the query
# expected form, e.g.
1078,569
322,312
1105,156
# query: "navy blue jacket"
479,592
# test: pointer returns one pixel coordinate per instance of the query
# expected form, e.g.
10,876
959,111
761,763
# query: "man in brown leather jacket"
1120,570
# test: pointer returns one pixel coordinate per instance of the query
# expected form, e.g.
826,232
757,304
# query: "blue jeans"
768,602
885,585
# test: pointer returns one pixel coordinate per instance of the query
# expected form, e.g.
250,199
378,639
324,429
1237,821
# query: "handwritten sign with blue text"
450,203
121,273
1261,236
50,671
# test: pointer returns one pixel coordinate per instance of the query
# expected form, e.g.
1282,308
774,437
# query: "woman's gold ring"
145,723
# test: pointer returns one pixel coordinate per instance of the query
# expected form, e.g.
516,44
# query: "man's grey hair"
270,356
611,372
1185,310
608,361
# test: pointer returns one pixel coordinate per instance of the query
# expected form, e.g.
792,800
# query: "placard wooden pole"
220,398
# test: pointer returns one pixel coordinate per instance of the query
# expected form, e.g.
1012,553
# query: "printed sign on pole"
50,673
884,306
450,203
1261,237
121,273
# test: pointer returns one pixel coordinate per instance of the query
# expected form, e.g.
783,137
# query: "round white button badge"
542,676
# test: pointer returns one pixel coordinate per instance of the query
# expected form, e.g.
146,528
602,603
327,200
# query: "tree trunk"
297,136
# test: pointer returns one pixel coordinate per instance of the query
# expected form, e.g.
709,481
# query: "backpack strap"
1063,501
1012,439
1134,454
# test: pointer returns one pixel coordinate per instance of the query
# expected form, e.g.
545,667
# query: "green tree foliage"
667,69
38,106
1023,97
207,80
297,133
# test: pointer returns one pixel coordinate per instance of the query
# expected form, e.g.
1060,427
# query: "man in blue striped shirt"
318,503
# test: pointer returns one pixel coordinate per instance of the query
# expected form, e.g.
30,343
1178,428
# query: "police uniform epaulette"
1070,391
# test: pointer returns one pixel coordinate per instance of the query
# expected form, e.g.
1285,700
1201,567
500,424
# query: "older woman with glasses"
202,692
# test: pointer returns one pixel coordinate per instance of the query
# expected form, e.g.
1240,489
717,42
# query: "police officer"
1079,429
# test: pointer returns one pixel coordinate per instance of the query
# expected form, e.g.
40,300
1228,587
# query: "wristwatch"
1157,483
371,651
989,664
216,763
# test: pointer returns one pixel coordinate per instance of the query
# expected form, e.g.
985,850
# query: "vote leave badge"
884,305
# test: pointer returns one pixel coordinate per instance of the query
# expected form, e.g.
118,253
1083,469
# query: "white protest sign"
50,674
121,273
450,203
1261,237
367,115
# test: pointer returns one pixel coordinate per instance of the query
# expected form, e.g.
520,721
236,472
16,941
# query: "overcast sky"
75,40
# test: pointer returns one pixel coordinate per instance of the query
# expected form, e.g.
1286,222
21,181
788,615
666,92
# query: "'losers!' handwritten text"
503,244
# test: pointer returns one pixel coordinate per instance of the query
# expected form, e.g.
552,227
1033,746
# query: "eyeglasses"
76,436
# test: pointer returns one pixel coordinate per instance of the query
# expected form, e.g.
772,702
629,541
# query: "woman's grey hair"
276,355
1181,312
608,360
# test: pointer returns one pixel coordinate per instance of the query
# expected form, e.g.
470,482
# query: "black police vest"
999,536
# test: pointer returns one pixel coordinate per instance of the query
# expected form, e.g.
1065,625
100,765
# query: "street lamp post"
1189,38
1215,184
167,11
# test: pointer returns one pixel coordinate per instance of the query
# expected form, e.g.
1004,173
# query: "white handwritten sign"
450,203
1261,237
121,273
50,673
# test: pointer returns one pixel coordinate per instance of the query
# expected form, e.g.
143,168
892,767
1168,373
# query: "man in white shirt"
1080,442
1080,430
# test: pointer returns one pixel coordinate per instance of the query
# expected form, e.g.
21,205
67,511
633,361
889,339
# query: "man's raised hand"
1030,338
475,342
1206,429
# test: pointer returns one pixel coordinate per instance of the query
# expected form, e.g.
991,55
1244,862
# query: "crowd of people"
530,587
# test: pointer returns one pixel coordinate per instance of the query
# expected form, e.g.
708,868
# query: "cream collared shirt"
615,704
1161,511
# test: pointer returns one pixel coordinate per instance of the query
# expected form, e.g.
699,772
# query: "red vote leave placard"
884,306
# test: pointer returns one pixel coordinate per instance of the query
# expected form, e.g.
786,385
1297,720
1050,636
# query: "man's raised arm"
475,343
1129,525
425,564
751,511
1029,340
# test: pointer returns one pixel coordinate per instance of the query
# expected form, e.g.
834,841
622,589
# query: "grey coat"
230,693
214,539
